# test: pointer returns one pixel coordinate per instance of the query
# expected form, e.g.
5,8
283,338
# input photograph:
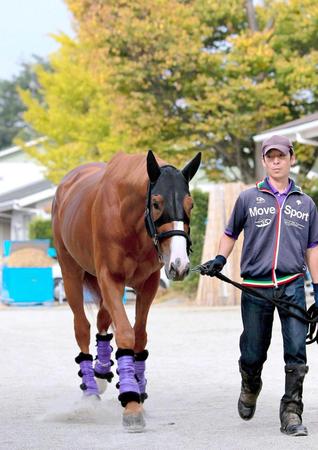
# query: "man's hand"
214,266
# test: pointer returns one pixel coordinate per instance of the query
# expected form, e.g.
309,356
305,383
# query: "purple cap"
281,143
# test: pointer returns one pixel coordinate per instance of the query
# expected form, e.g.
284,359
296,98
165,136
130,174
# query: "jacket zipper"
280,209
278,232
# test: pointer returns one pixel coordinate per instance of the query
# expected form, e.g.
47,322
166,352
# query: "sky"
25,27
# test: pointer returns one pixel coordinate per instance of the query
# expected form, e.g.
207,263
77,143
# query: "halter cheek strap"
152,230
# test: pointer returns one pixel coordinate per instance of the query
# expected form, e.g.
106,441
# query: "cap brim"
281,148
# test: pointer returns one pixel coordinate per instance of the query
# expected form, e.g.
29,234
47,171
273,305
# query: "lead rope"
311,316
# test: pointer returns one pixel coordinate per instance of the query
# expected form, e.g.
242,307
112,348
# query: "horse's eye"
156,205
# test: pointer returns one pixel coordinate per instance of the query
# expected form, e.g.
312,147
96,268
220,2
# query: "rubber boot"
250,388
291,405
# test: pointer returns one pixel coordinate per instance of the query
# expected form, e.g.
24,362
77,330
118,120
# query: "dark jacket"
275,239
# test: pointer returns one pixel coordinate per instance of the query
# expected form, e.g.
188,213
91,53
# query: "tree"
77,112
12,124
263,80
208,76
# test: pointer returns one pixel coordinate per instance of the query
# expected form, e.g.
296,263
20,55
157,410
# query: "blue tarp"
26,285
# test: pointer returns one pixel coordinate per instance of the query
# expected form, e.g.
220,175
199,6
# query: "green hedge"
198,223
310,186
41,229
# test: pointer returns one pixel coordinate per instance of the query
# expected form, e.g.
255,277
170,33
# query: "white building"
25,193
303,130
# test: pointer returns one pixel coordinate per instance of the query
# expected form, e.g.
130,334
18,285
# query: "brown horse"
116,225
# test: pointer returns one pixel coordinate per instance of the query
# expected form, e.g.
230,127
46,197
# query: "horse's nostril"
175,271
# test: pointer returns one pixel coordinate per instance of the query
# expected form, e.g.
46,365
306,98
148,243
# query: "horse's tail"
92,286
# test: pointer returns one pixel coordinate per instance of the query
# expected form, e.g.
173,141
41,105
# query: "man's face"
277,164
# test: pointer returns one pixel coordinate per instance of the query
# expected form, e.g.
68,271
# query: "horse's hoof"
134,422
101,384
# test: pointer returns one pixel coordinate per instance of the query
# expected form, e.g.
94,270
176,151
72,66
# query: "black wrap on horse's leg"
140,368
127,385
141,356
103,362
86,372
83,357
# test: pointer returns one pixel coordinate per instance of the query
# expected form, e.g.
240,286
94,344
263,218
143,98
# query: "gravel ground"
193,385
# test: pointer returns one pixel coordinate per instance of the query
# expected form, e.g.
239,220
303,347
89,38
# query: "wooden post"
211,291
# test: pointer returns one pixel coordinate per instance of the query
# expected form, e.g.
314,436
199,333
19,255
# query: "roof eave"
299,133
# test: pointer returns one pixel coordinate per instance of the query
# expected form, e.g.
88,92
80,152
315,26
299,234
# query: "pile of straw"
29,257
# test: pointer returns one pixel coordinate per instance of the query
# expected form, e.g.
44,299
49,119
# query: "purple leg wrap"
140,368
103,362
128,386
88,386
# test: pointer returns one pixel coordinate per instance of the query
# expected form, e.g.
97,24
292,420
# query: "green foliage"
198,224
76,116
199,78
314,194
12,124
310,186
41,229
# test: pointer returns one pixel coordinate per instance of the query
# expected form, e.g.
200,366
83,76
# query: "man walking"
280,226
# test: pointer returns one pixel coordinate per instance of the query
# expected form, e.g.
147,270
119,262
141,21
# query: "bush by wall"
198,224
41,229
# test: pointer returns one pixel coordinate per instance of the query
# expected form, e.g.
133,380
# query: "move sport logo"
271,210
291,212
260,211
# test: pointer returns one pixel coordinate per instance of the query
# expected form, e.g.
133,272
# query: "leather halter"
152,229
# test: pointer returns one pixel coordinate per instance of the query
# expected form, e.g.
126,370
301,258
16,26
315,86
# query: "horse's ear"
153,168
191,168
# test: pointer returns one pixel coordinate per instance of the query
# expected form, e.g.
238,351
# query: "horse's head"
169,205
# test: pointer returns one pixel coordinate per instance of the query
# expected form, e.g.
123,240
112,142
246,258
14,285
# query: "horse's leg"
129,395
143,302
103,360
73,276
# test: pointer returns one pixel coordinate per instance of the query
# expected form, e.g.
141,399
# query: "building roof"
303,130
17,154
18,175
26,190
22,179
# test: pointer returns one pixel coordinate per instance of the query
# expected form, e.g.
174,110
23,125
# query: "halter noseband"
152,230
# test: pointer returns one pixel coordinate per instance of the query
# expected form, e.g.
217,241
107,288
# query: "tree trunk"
251,17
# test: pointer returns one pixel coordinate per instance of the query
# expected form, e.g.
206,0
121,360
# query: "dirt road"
193,385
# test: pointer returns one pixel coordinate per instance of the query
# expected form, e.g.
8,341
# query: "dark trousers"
258,315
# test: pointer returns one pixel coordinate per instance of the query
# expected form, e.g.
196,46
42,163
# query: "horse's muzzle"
177,272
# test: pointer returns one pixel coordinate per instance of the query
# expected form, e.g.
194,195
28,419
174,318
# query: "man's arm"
215,265
226,246
312,262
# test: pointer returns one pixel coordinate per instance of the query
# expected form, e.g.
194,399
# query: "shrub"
41,229
198,224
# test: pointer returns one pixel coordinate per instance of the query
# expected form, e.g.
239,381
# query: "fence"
211,291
